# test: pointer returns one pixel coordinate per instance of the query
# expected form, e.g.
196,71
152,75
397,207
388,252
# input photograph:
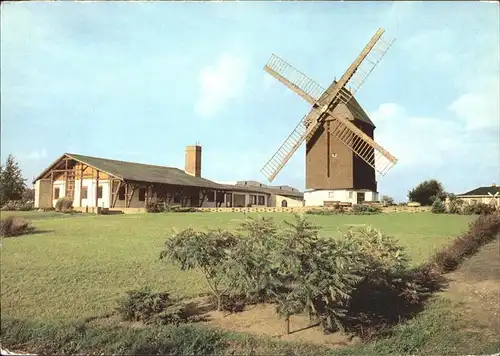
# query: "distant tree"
28,195
387,200
427,192
12,183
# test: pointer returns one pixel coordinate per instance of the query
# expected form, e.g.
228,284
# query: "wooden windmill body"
341,154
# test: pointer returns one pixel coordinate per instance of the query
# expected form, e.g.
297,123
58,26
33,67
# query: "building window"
56,193
142,194
121,193
284,203
211,196
253,199
99,192
177,199
350,194
262,200
332,195
84,192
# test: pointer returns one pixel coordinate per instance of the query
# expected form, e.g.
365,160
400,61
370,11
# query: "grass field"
77,266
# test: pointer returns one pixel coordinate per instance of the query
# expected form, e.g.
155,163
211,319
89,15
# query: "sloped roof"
148,173
358,112
482,191
353,105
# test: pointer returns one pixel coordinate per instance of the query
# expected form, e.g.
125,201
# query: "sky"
138,81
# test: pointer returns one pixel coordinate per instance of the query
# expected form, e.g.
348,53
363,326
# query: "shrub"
455,205
481,231
14,226
64,205
186,209
150,307
18,205
48,208
154,207
316,211
438,207
478,209
365,209
208,251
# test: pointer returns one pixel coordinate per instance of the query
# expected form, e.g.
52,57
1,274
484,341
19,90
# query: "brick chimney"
193,160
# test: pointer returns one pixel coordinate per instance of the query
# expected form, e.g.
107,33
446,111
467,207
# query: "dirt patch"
259,319
476,286
262,319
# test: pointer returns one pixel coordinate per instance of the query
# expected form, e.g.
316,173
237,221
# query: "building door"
360,197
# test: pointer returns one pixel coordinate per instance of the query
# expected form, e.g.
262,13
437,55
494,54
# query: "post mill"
341,153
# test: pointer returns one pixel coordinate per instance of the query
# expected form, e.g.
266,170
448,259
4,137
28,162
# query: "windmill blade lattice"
364,69
294,79
362,145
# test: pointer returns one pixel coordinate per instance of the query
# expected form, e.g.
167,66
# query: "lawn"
80,265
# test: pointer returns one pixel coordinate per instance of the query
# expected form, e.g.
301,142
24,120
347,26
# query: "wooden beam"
96,188
134,188
117,192
51,188
81,185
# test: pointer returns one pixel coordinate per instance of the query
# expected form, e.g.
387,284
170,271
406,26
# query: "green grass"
82,264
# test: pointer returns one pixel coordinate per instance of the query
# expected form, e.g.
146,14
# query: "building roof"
148,173
353,105
482,191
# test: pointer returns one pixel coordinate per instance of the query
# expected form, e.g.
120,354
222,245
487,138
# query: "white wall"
317,197
58,184
91,193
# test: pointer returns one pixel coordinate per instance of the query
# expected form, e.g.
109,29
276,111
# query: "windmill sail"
294,79
362,145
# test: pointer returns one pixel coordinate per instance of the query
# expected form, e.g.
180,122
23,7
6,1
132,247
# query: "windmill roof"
358,112
482,191
148,173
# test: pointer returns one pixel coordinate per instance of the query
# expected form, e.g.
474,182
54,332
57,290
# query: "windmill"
341,154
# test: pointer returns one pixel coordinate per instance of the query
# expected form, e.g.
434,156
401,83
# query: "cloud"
426,146
35,155
220,83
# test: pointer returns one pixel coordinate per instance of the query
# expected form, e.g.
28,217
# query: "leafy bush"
365,209
478,209
293,267
154,207
64,205
18,205
150,307
48,208
317,211
14,226
208,251
454,204
481,231
438,207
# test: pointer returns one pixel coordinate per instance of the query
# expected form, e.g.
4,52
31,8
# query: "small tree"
426,192
438,207
12,183
208,251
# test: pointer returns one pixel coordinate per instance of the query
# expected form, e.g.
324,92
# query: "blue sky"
140,81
